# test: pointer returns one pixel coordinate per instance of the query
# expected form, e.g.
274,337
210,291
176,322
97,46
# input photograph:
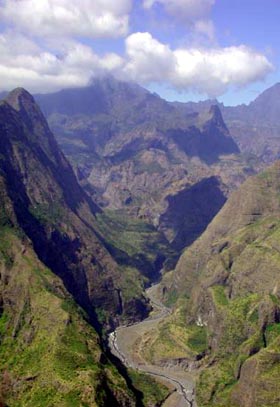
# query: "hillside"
226,293
50,355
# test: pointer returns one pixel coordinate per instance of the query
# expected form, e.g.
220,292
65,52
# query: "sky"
181,49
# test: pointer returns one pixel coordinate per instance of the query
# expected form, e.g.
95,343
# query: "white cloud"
43,71
202,70
91,18
147,58
213,71
188,10
61,63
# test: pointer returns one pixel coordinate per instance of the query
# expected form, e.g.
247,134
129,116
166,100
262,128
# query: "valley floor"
128,342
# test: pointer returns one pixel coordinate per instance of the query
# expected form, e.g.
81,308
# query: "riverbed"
124,343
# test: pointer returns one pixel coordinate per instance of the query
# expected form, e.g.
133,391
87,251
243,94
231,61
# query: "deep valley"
139,250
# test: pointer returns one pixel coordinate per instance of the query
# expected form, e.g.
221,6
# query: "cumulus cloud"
147,59
203,70
98,18
24,63
213,71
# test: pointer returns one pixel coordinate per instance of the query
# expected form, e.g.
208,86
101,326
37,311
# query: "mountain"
65,280
57,215
264,109
255,127
135,152
226,293
50,354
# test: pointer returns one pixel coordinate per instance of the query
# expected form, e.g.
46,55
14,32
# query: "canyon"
139,261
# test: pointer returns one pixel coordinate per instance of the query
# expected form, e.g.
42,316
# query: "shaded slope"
254,127
50,355
54,211
191,210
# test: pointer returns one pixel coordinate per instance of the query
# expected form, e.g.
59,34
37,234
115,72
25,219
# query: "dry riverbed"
126,342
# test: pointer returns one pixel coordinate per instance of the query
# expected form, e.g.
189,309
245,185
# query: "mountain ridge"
138,149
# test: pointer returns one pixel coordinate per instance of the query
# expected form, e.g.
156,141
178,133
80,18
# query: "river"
123,343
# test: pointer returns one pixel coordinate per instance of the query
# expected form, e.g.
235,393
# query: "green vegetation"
153,392
6,254
272,333
47,347
175,339
140,240
138,248
197,340
52,213
219,295
171,298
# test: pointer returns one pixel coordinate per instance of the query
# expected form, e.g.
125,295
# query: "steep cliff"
57,216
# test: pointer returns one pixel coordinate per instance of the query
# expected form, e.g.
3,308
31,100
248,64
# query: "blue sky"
251,22
181,49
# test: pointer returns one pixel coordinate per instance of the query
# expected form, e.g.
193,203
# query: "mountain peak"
216,117
215,112
19,99
30,114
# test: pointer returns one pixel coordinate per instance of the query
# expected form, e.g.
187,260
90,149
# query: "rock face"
230,276
55,213
255,127
134,151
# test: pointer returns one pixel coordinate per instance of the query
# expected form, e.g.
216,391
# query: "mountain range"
254,127
107,189
133,150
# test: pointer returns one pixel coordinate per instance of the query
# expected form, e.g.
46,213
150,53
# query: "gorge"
147,222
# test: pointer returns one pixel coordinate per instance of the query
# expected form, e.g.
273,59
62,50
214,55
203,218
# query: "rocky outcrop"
254,127
259,380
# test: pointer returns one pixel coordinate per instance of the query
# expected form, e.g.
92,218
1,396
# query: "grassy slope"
174,340
228,281
49,354
247,355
